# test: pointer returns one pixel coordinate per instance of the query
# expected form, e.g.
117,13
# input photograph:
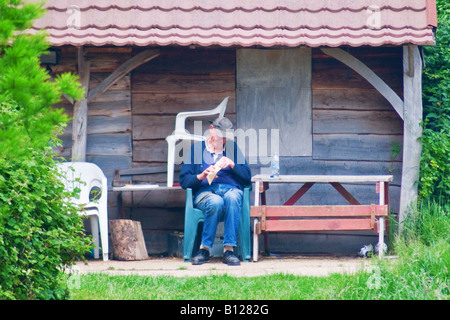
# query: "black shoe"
201,257
230,259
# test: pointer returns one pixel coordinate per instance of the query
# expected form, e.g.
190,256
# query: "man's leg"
212,206
233,204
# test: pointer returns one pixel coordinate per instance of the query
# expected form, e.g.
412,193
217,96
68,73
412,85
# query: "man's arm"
191,174
241,169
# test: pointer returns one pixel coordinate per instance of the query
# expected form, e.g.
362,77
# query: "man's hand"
205,173
225,162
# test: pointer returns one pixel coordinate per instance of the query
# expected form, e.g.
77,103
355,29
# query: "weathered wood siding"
352,129
274,93
109,115
180,79
355,130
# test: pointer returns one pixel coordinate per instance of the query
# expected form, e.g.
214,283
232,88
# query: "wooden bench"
287,217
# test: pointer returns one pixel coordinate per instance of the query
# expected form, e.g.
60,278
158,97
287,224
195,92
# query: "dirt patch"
168,266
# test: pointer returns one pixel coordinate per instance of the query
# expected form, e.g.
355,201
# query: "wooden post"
80,111
412,117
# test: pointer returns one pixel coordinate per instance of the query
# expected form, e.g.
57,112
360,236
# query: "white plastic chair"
181,133
89,178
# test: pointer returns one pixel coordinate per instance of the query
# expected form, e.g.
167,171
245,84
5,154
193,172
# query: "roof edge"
432,13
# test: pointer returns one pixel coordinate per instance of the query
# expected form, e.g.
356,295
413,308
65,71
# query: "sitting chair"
90,179
181,133
194,216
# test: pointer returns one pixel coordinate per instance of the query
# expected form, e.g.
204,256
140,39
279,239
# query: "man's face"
216,139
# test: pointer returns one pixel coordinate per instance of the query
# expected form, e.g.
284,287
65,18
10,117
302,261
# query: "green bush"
435,162
40,232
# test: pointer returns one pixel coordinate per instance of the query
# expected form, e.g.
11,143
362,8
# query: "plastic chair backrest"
180,121
88,177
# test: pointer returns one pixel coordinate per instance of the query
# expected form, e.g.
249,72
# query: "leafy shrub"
40,232
435,162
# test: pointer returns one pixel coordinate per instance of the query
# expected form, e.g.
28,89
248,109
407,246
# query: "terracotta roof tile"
238,22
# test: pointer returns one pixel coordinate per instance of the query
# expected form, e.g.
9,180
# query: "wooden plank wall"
354,131
128,124
109,115
353,127
274,92
351,121
180,79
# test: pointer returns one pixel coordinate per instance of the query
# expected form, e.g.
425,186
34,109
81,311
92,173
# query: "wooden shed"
339,80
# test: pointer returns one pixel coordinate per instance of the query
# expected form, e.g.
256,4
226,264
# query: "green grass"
420,272
421,279
223,287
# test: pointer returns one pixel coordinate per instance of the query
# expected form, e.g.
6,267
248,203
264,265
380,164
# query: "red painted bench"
288,217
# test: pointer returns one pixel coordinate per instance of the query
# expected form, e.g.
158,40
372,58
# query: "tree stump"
127,240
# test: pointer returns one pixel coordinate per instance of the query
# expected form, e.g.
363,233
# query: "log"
127,240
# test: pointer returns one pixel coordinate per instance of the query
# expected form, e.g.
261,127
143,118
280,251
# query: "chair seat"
195,216
88,211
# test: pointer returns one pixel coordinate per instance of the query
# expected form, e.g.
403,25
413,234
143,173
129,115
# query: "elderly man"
218,194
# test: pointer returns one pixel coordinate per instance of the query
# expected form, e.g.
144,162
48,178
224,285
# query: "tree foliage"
40,232
435,162
27,91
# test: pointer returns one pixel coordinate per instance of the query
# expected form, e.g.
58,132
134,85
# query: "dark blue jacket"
199,159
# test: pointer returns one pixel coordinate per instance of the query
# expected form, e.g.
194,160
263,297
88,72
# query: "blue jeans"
220,202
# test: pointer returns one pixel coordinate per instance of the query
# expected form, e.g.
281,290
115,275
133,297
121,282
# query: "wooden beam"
343,211
80,110
369,75
347,195
69,99
318,225
122,70
299,194
412,131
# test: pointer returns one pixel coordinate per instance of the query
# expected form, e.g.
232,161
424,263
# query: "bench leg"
381,237
381,221
255,222
255,241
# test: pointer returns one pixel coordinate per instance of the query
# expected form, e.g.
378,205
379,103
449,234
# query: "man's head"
218,131
222,124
